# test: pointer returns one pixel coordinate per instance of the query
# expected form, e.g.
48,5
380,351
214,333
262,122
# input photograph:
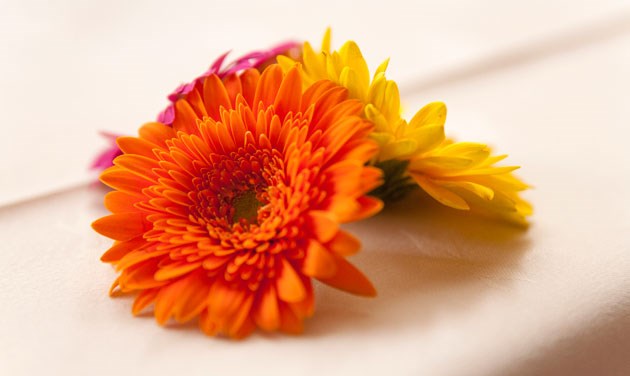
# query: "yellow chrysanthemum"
464,175
381,97
460,175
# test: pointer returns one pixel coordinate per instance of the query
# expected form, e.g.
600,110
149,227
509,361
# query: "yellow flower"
461,175
348,68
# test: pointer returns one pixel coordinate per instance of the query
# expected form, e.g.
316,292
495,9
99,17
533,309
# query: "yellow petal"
478,153
440,163
350,79
485,171
432,113
427,137
351,57
478,189
398,149
381,68
381,125
441,194
313,63
326,40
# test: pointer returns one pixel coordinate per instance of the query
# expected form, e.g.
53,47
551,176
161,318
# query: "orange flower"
228,215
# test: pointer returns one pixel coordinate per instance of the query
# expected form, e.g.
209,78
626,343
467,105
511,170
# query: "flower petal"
350,279
289,284
319,262
122,226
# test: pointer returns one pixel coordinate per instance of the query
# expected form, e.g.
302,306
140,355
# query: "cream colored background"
546,81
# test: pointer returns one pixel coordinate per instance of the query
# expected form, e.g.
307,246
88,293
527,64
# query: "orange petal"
213,262
156,133
289,94
350,279
324,95
166,300
224,300
138,146
215,96
112,288
246,327
120,249
194,98
139,256
344,244
223,138
267,87
322,224
208,323
249,82
289,284
185,118
139,277
194,297
175,270
267,315
233,87
306,307
143,300
184,162
241,324
125,181
120,202
357,149
122,226
237,128
177,197
289,321
319,263
336,137
371,178
369,206
138,165
316,91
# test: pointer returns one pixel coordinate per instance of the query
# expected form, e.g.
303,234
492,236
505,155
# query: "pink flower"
254,59
106,158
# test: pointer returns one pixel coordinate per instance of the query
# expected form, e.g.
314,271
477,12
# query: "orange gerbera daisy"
228,215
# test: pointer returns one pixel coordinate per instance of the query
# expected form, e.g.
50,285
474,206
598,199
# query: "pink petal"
167,116
106,158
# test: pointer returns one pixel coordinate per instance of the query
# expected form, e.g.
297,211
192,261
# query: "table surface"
546,82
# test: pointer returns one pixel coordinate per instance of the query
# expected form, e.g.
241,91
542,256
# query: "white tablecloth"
546,82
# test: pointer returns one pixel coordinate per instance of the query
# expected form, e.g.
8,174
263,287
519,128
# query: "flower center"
234,191
246,208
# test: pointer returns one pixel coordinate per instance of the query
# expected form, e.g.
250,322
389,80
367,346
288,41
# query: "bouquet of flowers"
227,207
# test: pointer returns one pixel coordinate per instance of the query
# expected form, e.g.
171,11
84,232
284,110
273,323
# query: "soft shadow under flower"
427,261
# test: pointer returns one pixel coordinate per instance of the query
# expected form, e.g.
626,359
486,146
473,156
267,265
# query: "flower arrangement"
227,207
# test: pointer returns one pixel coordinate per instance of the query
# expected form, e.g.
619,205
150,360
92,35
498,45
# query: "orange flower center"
246,208
234,191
